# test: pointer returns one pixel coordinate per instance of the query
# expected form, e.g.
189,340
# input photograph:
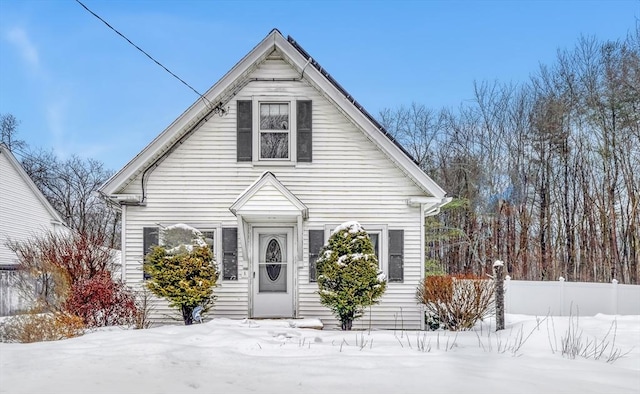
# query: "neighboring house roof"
217,97
55,216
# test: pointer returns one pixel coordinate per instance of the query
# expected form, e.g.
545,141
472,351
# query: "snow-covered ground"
272,356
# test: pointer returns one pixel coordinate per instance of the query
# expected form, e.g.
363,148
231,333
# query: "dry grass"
36,327
456,302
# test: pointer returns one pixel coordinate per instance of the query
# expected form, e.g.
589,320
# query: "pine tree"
349,279
182,270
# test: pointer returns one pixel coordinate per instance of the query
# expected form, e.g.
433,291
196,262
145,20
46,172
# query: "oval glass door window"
272,275
274,255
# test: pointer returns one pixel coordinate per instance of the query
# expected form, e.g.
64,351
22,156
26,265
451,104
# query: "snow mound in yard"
283,356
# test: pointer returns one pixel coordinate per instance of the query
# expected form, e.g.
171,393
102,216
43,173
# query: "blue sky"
78,88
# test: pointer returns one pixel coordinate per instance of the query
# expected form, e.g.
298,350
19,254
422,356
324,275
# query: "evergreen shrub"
348,276
182,271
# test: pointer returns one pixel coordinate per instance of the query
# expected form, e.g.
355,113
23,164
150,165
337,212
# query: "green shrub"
184,274
348,276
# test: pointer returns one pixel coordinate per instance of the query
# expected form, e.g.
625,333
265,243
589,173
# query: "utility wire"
142,50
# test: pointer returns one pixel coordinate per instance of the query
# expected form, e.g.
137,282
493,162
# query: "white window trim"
293,142
383,233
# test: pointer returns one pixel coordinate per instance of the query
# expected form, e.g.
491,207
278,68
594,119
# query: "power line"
142,50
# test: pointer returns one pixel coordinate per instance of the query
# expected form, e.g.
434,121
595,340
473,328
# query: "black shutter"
245,124
303,127
230,253
149,240
316,241
396,255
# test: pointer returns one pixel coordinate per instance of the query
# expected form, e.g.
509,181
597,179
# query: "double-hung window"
275,131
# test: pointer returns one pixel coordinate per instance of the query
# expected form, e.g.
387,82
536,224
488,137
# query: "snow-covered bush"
348,276
455,302
182,270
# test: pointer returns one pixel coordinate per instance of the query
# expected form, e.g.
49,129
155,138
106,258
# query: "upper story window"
275,137
274,130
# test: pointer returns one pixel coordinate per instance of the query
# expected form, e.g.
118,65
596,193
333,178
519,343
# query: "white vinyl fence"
10,301
562,298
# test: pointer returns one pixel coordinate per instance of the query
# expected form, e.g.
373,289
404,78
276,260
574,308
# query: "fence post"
615,296
498,272
561,280
507,298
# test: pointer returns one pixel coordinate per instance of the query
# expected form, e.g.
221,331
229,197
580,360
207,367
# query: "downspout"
218,109
123,244
422,258
427,210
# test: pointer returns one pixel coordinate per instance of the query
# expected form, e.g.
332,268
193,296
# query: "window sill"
274,163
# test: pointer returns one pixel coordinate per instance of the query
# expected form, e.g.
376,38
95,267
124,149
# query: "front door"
272,272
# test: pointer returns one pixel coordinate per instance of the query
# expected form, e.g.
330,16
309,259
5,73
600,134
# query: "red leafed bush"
101,301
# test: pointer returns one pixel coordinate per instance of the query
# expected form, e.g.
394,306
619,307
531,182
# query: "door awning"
267,200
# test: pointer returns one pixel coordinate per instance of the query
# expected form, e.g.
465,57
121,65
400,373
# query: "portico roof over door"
268,201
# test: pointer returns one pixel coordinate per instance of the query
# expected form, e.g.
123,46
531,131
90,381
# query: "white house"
269,161
24,212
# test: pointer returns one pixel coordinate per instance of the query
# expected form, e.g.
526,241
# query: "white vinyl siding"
22,213
349,179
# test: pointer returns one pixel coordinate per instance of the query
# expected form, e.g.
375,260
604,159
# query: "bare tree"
71,187
544,174
9,130
417,128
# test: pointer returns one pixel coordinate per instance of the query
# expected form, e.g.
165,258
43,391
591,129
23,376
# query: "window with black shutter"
274,129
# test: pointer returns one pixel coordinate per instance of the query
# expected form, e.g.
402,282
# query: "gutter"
429,205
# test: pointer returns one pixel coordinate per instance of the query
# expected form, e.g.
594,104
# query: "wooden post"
498,277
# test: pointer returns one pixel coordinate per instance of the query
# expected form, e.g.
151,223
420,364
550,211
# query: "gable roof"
13,162
215,99
268,188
